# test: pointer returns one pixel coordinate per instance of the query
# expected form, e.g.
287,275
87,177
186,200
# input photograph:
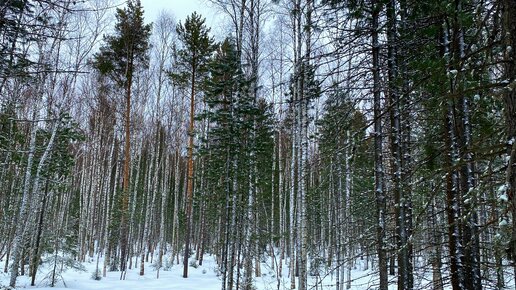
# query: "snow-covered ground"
201,277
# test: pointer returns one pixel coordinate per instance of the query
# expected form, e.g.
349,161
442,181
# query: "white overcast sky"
180,9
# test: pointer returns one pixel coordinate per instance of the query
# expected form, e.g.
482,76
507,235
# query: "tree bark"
124,223
509,98
378,149
190,174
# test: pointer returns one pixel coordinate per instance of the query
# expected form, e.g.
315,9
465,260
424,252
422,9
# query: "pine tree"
120,58
192,60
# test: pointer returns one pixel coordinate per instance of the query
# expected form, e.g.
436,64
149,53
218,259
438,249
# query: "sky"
180,9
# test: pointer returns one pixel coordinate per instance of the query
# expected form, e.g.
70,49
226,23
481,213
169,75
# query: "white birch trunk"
24,207
164,198
175,221
21,231
348,217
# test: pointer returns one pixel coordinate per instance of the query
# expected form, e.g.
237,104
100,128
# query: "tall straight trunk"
339,219
396,148
378,150
253,17
152,183
199,255
467,183
304,99
227,218
461,117
347,214
234,230
18,241
302,228
112,165
330,223
509,99
435,243
190,175
406,153
161,172
281,167
85,195
132,212
36,251
163,211
175,221
36,195
272,224
124,209
452,206
28,206
292,199
249,221
251,196
281,202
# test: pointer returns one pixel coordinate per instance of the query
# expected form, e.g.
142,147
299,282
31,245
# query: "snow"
503,198
453,72
205,277
502,189
202,277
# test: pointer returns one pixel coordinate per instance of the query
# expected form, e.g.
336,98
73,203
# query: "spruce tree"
223,147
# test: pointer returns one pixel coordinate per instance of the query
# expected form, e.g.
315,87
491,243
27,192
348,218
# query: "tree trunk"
378,149
36,252
36,195
509,98
452,207
124,209
19,235
190,174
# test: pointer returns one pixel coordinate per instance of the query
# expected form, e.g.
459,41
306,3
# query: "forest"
304,138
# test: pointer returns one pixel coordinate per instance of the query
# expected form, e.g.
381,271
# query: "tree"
376,8
121,56
15,31
342,150
509,98
164,45
193,59
225,91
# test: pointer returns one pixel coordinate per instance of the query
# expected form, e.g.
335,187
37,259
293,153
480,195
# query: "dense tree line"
319,135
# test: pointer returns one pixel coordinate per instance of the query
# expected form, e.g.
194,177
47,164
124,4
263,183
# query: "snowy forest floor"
202,277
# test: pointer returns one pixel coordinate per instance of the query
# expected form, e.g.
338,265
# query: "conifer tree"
509,45
121,56
225,95
192,60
